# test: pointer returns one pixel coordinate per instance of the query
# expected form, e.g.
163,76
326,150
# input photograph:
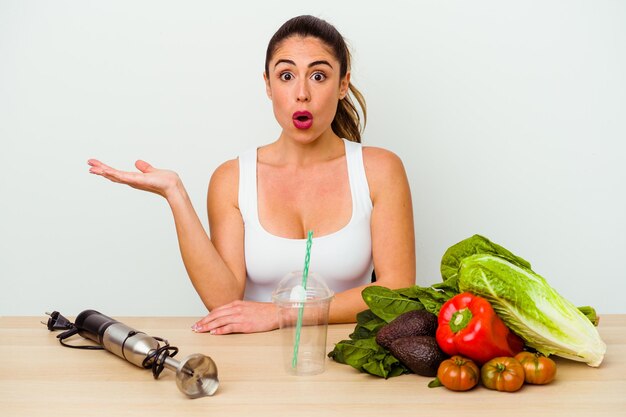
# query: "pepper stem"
460,319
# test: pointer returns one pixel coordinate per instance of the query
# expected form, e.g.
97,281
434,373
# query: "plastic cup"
311,306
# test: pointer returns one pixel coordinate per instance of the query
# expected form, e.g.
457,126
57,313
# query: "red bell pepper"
468,326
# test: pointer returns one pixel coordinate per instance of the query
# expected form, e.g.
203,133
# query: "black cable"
156,358
58,322
71,332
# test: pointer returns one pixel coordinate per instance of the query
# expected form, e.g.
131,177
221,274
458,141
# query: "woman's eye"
286,76
318,76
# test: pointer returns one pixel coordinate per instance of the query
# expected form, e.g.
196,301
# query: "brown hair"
347,121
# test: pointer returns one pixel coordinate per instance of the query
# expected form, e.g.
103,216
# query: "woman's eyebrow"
284,61
321,62
312,64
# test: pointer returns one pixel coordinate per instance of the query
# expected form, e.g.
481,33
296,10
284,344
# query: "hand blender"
196,375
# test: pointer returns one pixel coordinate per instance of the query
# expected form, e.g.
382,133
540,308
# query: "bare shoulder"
379,159
227,171
383,168
224,182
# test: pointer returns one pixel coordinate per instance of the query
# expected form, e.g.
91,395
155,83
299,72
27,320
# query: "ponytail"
347,121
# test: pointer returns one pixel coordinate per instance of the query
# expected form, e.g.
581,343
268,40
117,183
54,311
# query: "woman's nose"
303,94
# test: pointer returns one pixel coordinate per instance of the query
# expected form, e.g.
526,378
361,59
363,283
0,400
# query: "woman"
355,199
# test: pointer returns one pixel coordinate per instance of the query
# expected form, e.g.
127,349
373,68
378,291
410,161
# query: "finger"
201,322
234,307
143,166
97,164
223,311
99,168
217,322
227,329
124,177
223,326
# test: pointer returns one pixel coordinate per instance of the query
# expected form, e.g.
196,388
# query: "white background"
510,118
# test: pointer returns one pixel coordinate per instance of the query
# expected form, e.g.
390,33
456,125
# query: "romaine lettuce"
531,308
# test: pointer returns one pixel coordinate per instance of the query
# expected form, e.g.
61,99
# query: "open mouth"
302,119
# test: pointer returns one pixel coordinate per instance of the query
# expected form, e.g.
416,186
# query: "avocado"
412,323
421,354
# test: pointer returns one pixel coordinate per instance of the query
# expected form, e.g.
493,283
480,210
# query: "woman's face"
304,85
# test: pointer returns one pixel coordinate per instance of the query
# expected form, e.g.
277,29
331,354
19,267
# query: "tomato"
458,373
537,368
503,374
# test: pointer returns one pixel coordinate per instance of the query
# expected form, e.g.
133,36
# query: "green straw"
305,276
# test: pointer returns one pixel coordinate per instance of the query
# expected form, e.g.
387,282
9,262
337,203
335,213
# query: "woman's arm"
215,266
227,234
393,236
211,276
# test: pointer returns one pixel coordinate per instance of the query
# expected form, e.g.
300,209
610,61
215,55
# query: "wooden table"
39,377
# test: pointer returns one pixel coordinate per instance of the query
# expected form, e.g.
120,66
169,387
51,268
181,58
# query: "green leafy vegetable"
591,314
361,351
452,258
388,304
475,245
431,300
367,325
367,356
532,309
523,299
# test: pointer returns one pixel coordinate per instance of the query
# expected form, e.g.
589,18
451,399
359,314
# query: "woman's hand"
239,317
158,181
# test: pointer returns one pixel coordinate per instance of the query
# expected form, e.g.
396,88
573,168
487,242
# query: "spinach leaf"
366,355
388,304
367,325
431,299
385,365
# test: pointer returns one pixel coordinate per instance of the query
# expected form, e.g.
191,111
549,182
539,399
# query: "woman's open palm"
158,181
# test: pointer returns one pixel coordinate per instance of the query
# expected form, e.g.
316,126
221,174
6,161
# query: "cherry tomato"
458,373
538,369
503,374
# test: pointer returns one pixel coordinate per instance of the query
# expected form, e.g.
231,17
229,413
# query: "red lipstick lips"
302,119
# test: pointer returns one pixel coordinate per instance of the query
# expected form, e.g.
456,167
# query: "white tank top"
342,258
